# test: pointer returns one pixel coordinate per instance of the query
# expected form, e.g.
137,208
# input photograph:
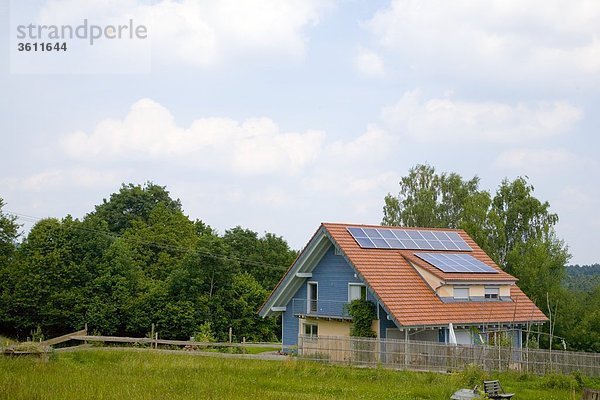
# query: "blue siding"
332,274
384,323
289,326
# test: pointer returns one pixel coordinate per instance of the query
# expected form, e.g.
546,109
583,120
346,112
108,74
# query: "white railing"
327,308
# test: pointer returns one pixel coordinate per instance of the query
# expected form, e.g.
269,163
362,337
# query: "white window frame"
308,297
461,288
492,296
362,285
306,325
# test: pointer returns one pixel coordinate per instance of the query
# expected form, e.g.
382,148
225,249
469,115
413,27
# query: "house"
427,284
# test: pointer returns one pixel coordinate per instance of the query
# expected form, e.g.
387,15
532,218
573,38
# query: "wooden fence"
155,342
431,356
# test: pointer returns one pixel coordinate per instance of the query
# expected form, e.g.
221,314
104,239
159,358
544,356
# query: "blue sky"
277,115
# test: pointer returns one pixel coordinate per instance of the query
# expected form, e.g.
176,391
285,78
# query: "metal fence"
431,356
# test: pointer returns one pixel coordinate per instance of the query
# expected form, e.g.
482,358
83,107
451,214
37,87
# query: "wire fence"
431,356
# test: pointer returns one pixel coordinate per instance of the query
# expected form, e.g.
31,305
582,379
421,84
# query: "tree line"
584,278
137,260
516,229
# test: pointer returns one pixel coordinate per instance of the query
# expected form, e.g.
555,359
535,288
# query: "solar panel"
456,262
408,239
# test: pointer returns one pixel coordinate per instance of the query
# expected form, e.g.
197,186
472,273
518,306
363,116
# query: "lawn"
132,375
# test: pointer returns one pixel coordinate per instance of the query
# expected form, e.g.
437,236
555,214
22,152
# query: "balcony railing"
320,308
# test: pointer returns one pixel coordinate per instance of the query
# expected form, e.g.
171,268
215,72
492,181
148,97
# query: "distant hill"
583,278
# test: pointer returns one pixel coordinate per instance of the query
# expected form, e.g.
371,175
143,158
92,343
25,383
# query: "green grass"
132,375
258,350
5,342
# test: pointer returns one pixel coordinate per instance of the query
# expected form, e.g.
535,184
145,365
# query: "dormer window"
492,293
461,293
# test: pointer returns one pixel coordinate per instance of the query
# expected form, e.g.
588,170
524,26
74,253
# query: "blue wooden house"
423,282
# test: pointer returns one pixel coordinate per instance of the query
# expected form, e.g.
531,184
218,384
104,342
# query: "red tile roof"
410,300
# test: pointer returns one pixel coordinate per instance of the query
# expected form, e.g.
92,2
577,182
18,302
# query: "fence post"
406,347
230,334
152,334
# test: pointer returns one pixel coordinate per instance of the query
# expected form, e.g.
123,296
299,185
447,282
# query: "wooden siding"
333,274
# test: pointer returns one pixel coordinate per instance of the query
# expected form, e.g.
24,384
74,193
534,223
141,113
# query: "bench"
493,390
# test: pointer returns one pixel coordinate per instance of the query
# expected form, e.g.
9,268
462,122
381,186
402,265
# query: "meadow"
147,374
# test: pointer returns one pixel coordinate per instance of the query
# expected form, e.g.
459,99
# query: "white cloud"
445,119
504,39
149,132
352,184
272,197
525,159
574,198
203,32
74,177
374,143
368,62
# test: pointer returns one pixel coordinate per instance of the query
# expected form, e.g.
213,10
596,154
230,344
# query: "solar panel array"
407,239
456,263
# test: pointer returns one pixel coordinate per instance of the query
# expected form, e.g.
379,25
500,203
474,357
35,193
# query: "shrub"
363,312
473,375
556,381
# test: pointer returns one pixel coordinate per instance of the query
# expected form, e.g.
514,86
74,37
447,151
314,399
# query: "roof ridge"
391,226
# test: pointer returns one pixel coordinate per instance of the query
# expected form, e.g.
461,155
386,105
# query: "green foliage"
265,258
561,382
429,199
512,226
472,376
135,261
205,333
583,278
133,202
363,312
9,232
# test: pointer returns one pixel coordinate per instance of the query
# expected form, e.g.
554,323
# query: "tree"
133,202
47,282
245,297
9,233
517,216
265,258
429,199
159,242
135,261
513,227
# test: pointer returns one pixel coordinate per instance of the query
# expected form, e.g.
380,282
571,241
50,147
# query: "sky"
278,115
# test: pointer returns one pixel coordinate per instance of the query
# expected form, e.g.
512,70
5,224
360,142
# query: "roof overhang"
300,270
478,282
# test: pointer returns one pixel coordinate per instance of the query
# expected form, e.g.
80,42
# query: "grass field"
132,375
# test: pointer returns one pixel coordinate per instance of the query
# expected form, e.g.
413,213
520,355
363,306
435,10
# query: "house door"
312,297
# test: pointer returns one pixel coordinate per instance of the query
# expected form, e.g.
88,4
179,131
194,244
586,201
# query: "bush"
472,376
363,312
556,381
205,333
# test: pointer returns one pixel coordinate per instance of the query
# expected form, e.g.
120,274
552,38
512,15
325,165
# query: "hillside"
583,278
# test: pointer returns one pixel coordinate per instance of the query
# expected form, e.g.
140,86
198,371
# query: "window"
492,293
312,297
311,329
461,293
357,291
